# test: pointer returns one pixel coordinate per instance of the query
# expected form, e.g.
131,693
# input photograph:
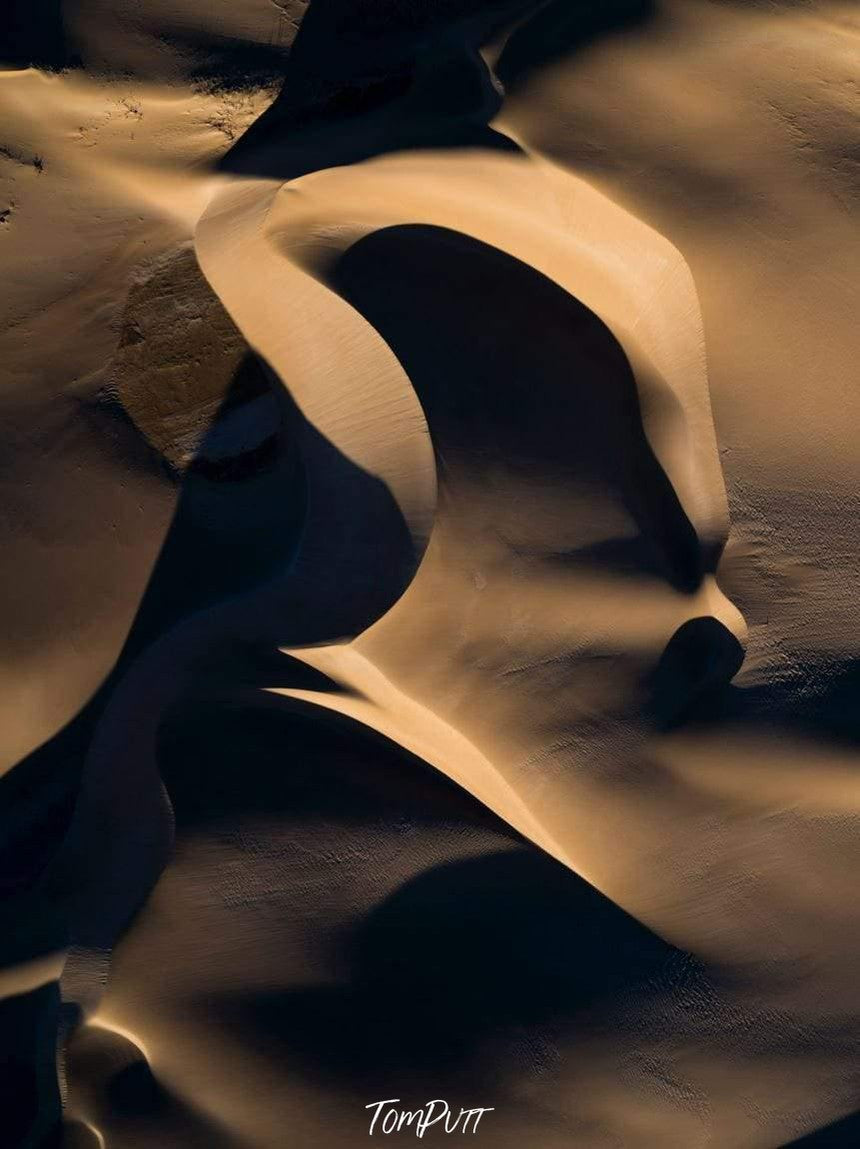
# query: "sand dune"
430,637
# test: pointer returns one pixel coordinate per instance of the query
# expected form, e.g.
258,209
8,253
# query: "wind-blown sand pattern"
431,598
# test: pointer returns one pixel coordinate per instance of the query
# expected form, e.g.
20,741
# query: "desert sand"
431,572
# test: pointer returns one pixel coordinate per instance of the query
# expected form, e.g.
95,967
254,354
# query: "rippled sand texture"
430,599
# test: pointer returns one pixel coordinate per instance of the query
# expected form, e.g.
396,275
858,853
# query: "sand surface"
431,581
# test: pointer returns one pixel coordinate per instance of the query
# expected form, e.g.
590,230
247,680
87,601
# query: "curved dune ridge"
319,232
431,631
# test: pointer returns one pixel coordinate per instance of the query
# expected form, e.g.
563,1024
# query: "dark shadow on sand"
842,1134
561,28
32,34
507,943
522,379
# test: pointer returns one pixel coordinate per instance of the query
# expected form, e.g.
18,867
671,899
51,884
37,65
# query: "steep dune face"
448,688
